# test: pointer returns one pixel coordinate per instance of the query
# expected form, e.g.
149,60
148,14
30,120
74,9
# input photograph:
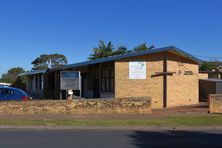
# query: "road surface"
109,139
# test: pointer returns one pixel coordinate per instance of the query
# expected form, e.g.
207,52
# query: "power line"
209,58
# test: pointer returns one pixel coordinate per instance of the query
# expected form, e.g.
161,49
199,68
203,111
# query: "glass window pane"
111,85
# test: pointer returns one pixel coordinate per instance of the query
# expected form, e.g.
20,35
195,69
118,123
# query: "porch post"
165,81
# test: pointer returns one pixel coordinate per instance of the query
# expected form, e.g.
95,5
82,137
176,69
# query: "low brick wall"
80,106
215,103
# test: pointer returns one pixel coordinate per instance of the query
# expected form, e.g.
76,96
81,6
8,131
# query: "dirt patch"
199,109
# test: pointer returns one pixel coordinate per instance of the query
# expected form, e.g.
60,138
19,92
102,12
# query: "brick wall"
215,103
182,87
80,106
153,87
203,76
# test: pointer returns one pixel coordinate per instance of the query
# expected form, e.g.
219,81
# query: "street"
109,138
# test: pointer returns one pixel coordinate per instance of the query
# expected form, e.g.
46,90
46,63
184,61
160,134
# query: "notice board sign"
70,80
137,70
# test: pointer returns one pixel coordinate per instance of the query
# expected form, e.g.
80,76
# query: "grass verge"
215,120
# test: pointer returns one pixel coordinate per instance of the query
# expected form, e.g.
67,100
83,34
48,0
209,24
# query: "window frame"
107,81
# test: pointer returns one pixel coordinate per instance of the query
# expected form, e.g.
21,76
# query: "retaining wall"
215,103
79,106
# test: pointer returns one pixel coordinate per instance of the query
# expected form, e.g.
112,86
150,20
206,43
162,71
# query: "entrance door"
96,92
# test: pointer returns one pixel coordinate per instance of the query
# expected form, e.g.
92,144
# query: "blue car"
10,93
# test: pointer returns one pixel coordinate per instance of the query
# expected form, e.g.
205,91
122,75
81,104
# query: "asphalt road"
109,139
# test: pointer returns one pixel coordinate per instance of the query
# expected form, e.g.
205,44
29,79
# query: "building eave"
134,54
33,72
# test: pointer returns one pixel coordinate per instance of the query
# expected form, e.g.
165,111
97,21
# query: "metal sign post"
70,94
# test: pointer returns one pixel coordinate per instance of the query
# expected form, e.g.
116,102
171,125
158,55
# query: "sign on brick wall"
137,70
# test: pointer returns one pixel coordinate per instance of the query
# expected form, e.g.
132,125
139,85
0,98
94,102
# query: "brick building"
168,75
212,74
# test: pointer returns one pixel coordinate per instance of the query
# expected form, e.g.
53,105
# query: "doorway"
96,88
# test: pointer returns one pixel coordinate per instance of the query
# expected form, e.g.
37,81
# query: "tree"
143,47
209,66
120,50
11,75
45,61
21,82
103,50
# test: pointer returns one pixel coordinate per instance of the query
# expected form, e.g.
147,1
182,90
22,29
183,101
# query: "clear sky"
29,28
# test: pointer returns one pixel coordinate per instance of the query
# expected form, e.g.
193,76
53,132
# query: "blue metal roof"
133,54
33,72
173,49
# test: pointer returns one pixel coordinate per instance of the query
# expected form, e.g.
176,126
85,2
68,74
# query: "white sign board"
70,80
137,70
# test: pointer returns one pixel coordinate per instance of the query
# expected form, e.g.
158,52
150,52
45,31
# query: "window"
42,81
39,81
51,81
87,81
2,91
31,82
107,79
5,91
36,81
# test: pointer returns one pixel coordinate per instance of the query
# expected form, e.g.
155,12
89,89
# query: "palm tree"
102,50
105,50
143,47
121,50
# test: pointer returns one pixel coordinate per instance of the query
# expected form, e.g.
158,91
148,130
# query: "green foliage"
102,50
21,83
143,47
11,75
209,66
120,50
105,50
45,61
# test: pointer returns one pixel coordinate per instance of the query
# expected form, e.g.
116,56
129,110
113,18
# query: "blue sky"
29,28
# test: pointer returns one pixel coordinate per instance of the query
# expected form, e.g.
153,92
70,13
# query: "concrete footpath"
107,128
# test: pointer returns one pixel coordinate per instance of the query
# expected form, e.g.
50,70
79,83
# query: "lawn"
214,120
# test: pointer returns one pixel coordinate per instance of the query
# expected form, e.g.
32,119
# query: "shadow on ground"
178,139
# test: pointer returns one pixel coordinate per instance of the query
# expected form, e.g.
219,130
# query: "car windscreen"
19,92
